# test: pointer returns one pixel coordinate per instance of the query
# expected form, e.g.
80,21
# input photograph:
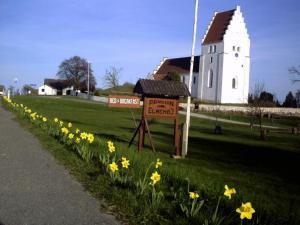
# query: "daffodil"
158,163
83,135
55,120
90,138
64,130
113,167
71,136
229,191
77,131
44,119
246,211
125,163
193,195
69,125
155,177
111,147
61,123
77,140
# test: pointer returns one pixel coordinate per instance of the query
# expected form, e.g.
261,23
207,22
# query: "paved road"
34,189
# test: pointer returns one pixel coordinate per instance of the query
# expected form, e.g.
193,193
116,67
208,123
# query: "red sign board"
160,108
120,101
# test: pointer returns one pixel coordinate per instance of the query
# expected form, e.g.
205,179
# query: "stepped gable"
218,27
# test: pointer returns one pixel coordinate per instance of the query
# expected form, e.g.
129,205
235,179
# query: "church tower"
224,65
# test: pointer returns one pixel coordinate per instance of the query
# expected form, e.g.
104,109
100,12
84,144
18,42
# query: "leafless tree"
256,105
112,76
296,72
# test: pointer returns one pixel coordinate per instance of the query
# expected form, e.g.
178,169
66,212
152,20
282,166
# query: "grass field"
263,172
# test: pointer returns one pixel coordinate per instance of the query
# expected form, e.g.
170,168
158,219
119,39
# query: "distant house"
2,90
55,87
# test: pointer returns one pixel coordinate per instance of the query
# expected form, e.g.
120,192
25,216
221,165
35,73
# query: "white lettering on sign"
124,101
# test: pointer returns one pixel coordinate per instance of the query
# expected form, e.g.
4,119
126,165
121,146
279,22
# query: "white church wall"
236,61
185,79
211,60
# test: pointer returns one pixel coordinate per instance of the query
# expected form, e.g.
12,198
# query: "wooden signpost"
160,101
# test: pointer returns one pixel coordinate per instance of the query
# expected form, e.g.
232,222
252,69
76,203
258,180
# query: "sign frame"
161,108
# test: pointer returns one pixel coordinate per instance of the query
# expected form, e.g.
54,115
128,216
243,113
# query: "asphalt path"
35,189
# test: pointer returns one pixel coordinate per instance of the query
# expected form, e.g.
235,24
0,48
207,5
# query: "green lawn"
264,172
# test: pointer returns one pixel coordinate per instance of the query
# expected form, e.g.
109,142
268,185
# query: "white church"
221,72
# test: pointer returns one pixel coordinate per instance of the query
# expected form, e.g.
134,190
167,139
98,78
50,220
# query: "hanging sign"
160,108
120,101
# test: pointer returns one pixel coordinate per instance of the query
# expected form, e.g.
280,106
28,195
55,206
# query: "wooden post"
141,135
177,138
149,134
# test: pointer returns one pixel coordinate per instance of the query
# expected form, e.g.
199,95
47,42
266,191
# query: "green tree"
290,101
75,70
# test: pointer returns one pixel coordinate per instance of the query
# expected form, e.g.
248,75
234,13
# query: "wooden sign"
120,101
160,108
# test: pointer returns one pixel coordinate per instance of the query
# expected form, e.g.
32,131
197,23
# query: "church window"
194,80
183,79
211,59
234,83
238,49
210,49
210,78
215,48
233,48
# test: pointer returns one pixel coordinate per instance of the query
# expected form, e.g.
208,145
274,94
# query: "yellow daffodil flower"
69,125
229,191
77,131
111,147
71,136
64,130
193,195
158,163
44,119
90,138
83,135
125,163
55,120
61,123
77,140
155,177
246,211
113,167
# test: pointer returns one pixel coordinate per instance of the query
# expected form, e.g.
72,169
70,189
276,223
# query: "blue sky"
37,35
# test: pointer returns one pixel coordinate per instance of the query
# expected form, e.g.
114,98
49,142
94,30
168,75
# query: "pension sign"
160,108
123,101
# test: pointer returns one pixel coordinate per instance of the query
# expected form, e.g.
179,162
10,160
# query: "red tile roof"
179,65
218,27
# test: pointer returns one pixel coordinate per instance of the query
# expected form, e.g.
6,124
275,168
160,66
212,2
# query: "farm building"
55,87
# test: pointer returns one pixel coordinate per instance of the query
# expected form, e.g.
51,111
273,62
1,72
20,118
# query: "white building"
55,87
221,72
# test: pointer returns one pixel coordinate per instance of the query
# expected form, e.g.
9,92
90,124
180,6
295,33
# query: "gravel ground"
35,189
